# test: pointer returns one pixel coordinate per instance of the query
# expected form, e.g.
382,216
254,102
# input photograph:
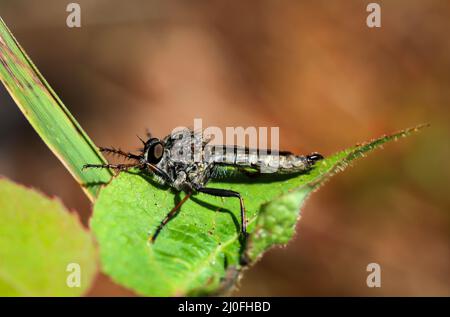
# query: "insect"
186,161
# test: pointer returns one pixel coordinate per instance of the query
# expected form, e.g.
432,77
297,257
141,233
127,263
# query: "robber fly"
185,161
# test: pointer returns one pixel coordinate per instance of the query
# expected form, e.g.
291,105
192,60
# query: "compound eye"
158,151
155,152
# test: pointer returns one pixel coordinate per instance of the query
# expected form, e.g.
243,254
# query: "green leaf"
48,115
39,239
199,252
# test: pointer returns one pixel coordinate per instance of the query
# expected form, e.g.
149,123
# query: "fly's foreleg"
228,193
117,167
119,152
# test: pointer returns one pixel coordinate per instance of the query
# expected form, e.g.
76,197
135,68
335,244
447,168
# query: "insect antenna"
143,142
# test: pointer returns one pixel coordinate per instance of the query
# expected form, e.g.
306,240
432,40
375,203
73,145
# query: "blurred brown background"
314,69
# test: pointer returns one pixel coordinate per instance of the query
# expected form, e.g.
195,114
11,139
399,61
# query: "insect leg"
159,172
119,167
120,152
169,216
228,193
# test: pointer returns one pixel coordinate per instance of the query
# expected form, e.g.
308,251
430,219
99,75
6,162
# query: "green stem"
48,115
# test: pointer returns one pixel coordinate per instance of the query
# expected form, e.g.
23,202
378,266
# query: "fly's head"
153,151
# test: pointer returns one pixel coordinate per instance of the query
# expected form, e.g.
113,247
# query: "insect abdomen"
265,161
